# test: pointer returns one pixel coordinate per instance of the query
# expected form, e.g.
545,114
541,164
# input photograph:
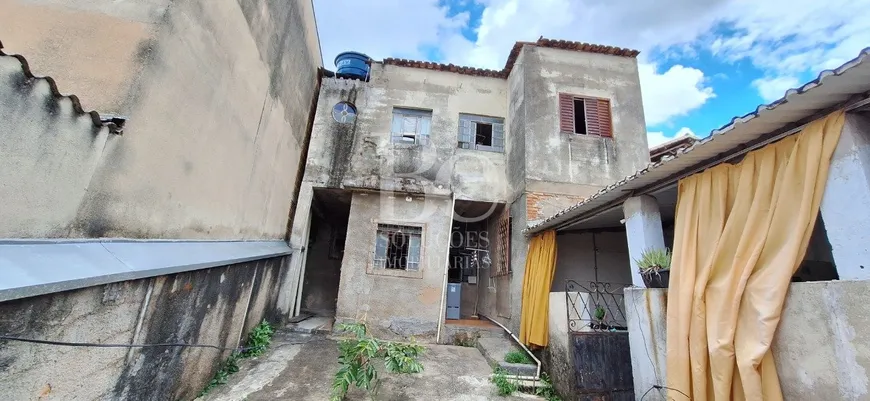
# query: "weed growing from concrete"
547,391
504,385
258,341
518,357
357,355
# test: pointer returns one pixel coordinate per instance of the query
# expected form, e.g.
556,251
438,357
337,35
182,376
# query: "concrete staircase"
495,348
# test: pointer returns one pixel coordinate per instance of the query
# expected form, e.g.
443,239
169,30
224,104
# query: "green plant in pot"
655,267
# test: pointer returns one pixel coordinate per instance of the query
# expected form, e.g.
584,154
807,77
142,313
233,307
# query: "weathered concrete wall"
519,250
554,159
360,154
576,259
647,337
95,49
46,165
558,358
214,306
829,361
395,303
218,112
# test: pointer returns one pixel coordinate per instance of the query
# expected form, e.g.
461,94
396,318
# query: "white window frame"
468,129
411,126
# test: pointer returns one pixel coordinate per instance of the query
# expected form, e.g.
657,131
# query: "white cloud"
385,28
772,89
782,38
673,93
656,138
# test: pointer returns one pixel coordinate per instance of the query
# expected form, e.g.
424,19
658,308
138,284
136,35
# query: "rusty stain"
46,390
188,286
429,295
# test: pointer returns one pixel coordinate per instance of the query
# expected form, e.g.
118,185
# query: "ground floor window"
398,247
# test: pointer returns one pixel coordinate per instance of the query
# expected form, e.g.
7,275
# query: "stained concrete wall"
558,358
217,306
95,49
579,164
360,154
829,361
217,95
395,304
576,259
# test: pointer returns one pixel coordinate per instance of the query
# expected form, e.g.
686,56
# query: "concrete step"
312,325
494,349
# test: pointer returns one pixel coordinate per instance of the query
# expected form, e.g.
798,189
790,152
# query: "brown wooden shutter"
566,113
598,121
604,118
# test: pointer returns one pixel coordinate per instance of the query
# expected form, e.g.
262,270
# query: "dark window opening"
397,251
579,116
818,263
483,134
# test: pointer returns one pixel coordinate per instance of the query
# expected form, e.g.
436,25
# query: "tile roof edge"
512,56
96,119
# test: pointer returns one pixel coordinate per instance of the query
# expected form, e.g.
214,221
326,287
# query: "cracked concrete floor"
301,366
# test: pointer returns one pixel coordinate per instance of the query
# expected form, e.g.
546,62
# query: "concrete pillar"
846,202
643,227
291,287
646,317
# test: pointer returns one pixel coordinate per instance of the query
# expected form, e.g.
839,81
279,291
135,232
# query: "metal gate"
599,341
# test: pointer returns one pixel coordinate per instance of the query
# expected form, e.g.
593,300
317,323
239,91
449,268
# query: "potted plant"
655,267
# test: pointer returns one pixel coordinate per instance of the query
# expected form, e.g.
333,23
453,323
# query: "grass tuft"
257,343
516,356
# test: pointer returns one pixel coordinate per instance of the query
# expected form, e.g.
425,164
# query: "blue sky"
702,62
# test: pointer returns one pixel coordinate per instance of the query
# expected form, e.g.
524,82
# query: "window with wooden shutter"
585,116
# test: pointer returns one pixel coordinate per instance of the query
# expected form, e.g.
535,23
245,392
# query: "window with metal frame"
411,126
481,133
585,115
398,247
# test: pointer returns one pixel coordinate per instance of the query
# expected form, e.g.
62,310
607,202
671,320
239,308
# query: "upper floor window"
411,126
481,133
584,115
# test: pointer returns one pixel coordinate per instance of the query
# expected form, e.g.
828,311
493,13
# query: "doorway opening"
472,248
330,210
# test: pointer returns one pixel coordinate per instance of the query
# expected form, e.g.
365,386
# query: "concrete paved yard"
301,367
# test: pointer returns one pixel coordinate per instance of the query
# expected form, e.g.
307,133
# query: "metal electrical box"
454,291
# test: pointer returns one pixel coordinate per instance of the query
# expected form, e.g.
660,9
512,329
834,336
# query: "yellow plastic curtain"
741,231
540,266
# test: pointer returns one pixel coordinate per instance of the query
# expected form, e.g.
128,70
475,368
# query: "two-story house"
423,176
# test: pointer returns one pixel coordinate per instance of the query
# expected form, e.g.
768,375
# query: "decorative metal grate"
503,244
595,306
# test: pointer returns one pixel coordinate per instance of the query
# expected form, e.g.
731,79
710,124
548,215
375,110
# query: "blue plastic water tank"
352,65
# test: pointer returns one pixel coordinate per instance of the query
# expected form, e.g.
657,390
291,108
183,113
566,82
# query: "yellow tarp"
540,266
741,231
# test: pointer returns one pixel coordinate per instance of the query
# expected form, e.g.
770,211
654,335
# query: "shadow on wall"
215,306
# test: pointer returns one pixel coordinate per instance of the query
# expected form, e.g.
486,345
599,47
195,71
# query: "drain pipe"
517,340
